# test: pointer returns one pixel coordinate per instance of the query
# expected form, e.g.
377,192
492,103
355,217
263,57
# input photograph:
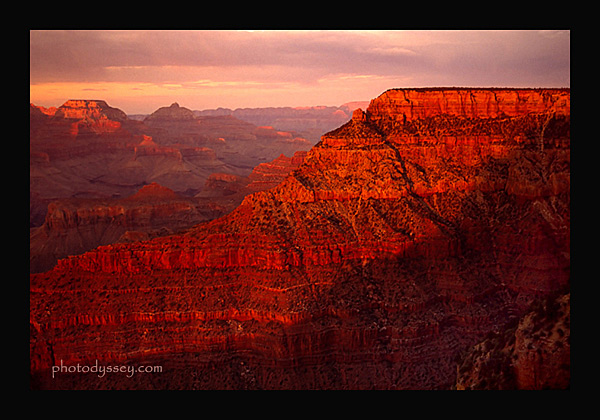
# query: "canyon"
75,225
309,122
418,230
87,159
88,149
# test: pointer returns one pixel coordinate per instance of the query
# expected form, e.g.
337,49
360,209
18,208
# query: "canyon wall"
75,225
403,239
531,354
88,149
310,122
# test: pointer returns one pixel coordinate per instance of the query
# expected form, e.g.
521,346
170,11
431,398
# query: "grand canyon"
421,242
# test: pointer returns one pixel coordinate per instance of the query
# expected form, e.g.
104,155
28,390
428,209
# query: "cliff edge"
404,238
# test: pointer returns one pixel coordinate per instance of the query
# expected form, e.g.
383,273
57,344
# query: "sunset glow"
139,71
299,209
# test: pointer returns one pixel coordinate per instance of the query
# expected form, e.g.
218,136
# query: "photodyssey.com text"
102,370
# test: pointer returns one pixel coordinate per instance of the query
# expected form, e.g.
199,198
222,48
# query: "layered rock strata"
268,175
88,149
405,237
263,177
74,226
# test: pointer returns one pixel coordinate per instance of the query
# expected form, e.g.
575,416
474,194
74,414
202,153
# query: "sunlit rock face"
404,237
75,225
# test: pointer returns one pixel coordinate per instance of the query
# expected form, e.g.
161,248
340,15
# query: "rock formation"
404,238
263,177
268,175
170,115
93,110
75,225
532,354
309,122
88,149
72,147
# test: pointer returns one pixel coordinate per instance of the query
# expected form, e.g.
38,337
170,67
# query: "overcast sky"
140,71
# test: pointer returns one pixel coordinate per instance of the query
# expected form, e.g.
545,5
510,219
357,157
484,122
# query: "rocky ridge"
75,225
88,149
310,122
405,237
81,109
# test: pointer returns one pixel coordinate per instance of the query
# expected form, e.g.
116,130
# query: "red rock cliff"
400,242
414,104
89,109
73,226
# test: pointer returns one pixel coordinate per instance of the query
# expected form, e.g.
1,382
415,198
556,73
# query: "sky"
140,71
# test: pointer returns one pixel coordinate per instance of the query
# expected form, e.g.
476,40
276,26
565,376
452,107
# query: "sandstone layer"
88,149
403,239
75,225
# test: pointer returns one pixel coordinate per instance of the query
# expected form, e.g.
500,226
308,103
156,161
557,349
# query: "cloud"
393,51
287,65
117,56
554,34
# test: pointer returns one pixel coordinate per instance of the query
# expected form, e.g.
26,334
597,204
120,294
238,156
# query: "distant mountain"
88,149
311,122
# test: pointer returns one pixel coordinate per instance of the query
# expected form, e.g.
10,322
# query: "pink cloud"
218,68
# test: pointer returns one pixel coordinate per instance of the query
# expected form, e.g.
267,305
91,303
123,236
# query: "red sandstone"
403,238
